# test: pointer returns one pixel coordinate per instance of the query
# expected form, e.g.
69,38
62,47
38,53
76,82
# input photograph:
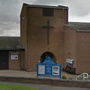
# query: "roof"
10,43
80,26
25,6
45,6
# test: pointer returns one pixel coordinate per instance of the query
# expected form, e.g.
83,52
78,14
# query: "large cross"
48,27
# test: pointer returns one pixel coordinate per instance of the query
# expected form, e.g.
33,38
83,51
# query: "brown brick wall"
14,64
83,52
22,60
77,47
70,44
37,36
24,28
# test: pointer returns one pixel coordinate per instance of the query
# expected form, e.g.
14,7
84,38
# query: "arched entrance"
44,55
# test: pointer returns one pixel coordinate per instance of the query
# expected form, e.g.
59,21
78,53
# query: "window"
48,12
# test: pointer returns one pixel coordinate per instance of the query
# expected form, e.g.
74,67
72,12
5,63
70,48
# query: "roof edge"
45,6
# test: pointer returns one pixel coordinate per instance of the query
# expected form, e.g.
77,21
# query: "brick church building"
45,30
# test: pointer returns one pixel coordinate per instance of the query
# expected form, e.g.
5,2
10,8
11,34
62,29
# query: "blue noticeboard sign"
49,69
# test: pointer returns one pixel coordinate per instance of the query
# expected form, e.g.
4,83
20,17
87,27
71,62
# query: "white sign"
55,70
69,60
14,56
41,69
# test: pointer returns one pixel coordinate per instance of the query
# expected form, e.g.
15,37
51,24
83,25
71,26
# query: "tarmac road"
44,87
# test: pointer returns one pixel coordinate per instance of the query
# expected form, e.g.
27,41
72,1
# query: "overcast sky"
79,11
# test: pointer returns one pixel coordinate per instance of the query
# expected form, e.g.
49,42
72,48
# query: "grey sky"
79,11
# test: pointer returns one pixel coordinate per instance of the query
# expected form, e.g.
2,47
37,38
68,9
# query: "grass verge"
12,87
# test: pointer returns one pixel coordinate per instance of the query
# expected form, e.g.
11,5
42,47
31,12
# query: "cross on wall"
48,27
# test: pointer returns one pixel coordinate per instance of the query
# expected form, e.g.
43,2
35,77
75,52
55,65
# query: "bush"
64,77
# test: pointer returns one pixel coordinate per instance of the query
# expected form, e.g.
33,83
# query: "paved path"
13,73
44,87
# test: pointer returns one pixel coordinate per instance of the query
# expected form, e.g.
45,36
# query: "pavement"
25,74
44,87
17,73
13,73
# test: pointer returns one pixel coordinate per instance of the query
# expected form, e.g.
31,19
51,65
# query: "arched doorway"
44,55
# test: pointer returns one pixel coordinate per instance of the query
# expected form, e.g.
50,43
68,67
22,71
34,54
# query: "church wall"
22,60
37,36
64,42
77,47
24,28
83,52
70,45
14,60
